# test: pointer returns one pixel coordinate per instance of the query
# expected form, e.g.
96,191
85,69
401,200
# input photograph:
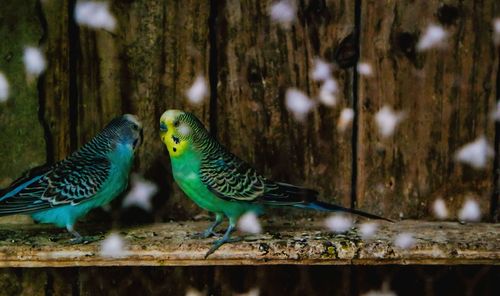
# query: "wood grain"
55,83
158,48
245,280
285,242
144,67
447,95
22,144
257,62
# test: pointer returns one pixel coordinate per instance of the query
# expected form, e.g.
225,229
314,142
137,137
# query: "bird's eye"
135,126
176,123
163,127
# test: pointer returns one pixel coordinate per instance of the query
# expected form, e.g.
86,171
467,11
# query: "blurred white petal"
298,103
496,31
249,223
368,229
198,90
365,69
95,15
470,211
379,293
193,292
495,115
321,70
439,209
251,292
283,12
475,154
140,194
338,223
184,129
345,119
387,120
113,246
434,37
404,241
34,61
385,291
328,92
4,88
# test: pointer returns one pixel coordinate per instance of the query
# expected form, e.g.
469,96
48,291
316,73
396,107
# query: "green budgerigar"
91,177
219,182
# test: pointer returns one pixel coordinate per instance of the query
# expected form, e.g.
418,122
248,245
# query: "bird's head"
179,130
125,130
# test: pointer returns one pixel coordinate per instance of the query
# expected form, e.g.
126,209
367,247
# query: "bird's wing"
230,178
68,182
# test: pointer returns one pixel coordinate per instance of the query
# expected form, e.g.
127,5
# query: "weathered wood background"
146,65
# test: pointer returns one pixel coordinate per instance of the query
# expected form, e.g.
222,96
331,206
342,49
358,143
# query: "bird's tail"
326,207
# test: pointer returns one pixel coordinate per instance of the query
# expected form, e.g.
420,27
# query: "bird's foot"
82,240
218,243
76,240
204,234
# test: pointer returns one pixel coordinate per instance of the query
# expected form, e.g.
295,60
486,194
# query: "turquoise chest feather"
121,161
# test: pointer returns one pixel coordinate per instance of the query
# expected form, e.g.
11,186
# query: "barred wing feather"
71,181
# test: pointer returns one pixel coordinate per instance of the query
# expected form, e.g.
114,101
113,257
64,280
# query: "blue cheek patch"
163,127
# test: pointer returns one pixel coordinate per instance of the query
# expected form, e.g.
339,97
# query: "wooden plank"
447,94
257,62
22,144
297,242
144,67
55,95
243,280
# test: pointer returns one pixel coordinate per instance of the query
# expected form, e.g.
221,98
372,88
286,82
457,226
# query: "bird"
220,182
88,178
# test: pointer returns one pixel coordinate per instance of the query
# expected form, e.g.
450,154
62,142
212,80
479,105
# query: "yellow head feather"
172,133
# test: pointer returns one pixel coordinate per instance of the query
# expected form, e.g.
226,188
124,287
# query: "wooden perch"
298,242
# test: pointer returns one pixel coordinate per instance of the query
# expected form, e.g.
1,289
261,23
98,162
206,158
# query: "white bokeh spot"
283,12
249,223
4,88
434,37
95,15
198,91
140,194
298,103
345,119
321,70
368,229
387,120
338,223
470,211
113,246
34,61
404,241
476,154
439,209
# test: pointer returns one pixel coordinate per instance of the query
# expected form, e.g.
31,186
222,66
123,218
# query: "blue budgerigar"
91,177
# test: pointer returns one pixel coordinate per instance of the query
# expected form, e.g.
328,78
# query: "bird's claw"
218,243
76,240
81,240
